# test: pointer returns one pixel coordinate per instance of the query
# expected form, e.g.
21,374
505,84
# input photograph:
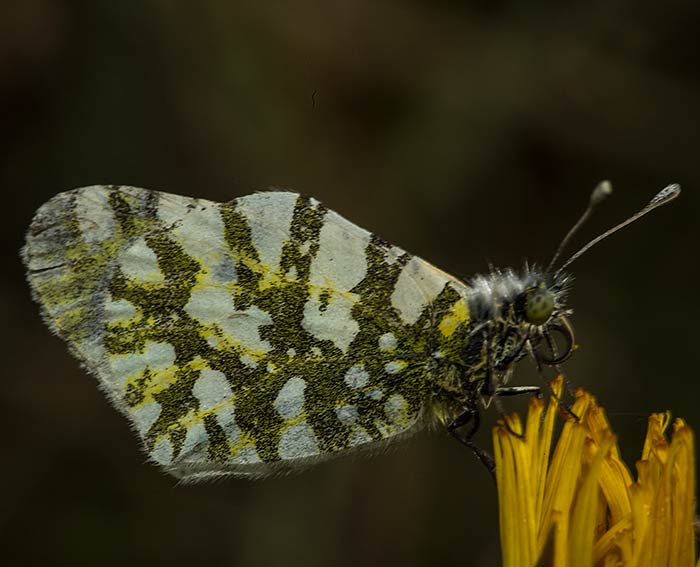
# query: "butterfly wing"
244,337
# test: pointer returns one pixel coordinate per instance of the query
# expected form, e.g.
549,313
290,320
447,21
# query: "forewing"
244,337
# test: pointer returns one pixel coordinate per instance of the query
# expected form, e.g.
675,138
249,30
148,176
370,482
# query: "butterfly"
268,333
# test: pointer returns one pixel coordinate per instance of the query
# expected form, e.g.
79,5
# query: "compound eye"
539,305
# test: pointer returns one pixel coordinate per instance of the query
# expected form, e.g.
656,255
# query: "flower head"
574,503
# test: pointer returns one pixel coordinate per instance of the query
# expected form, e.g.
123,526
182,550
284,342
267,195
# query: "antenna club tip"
601,192
666,195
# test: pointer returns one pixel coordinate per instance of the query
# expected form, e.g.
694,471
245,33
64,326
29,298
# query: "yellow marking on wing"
269,279
71,286
246,440
72,317
458,315
193,418
160,380
222,340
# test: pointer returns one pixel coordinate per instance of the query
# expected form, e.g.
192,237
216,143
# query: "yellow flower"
575,503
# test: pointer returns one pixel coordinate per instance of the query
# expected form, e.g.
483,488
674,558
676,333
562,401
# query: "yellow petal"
579,506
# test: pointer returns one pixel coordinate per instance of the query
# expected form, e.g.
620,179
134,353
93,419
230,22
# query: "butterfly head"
542,314
538,304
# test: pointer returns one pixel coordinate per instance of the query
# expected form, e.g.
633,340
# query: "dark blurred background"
465,132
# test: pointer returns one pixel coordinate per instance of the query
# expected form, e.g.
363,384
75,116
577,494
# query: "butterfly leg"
540,370
515,355
518,390
491,386
462,420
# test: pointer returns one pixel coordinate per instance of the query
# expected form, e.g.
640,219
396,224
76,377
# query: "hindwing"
243,337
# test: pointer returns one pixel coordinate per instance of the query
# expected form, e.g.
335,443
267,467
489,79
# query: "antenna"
598,195
666,195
